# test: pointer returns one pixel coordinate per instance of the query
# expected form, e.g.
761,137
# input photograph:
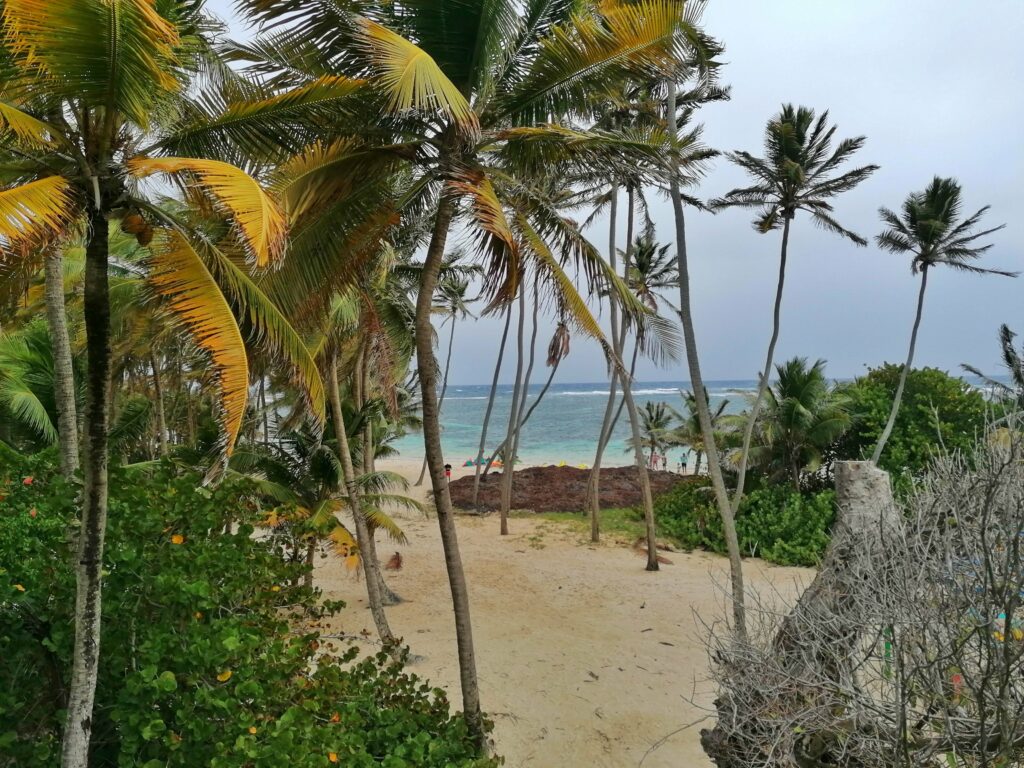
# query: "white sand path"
584,658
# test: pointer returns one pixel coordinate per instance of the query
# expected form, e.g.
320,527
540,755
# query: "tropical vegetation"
231,277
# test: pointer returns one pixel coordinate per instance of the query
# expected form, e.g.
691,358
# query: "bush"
939,412
774,523
206,659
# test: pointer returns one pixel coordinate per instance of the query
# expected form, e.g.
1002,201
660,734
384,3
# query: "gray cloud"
931,84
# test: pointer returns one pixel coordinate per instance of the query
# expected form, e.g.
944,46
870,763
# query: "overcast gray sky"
936,87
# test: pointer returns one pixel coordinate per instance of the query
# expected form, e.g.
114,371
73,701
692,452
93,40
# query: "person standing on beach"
682,463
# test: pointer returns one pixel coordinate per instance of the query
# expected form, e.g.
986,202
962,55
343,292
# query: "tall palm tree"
802,417
477,92
700,66
929,230
89,98
798,173
453,303
490,405
687,432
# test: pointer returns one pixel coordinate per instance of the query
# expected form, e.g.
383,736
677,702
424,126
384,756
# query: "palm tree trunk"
634,424
898,397
369,456
696,462
444,388
263,410
310,561
427,369
158,394
766,372
508,466
63,370
92,531
622,402
490,407
697,383
369,546
371,567
520,418
533,407
594,481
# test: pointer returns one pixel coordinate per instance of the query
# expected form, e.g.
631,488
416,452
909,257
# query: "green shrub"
774,523
206,659
938,412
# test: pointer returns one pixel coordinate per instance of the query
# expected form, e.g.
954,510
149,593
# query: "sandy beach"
584,658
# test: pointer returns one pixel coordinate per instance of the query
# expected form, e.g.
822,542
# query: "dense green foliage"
209,646
774,523
939,413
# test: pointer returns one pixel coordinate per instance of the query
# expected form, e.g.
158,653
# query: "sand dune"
585,658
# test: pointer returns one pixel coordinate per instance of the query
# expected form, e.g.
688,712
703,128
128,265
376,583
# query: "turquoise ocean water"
563,427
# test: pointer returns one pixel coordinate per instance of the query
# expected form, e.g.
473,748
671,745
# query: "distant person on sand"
682,463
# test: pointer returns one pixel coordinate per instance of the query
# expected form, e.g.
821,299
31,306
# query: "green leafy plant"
216,656
775,523
939,413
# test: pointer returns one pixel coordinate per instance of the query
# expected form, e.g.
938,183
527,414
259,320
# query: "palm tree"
87,105
655,428
476,91
701,66
802,417
929,231
1013,361
452,302
798,173
688,432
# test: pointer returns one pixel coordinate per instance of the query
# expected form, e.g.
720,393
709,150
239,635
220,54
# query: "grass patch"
620,524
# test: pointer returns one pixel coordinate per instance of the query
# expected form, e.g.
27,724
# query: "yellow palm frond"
258,219
568,296
378,519
180,277
323,513
39,208
26,129
114,53
411,78
344,545
489,215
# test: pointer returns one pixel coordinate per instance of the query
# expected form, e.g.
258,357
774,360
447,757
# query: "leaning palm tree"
700,68
928,230
798,173
477,92
90,105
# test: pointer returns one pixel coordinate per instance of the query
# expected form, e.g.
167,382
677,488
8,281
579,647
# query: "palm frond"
258,219
181,278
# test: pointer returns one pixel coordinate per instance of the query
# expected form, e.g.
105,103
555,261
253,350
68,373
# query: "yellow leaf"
411,77
225,675
26,129
43,207
177,539
179,276
332,756
252,729
119,53
275,588
258,219
19,587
